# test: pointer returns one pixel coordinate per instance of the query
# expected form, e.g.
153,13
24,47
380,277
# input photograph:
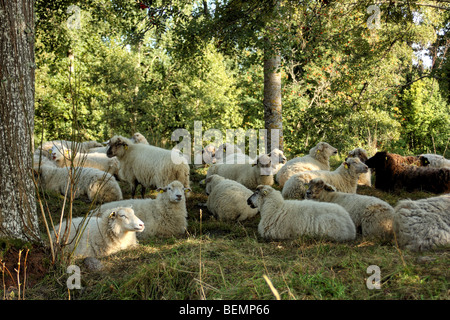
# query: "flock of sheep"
314,200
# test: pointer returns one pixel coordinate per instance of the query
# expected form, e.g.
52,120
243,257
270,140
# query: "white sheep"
249,175
344,179
164,216
101,236
317,159
147,165
82,147
93,183
423,224
138,138
227,199
216,155
290,219
371,215
434,161
365,179
64,157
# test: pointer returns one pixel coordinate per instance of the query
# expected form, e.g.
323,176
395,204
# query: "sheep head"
117,146
175,191
211,181
323,150
378,161
316,186
138,138
424,162
358,153
123,220
355,166
257,198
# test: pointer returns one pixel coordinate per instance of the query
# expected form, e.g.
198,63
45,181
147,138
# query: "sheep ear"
264,193
345,165
329,188
125,146
187,189
112,215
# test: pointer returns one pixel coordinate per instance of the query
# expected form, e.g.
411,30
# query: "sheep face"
324,149
378,161
117,147
209,154
355,166
175,191
316,187
124,220
257,198
138,138
269,164
424,161
358,153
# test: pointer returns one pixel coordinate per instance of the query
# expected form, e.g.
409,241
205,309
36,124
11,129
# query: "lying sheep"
289,219
391,173
93,183
101,236
227,199
217,155
317,159
164,216
423,224
434,161
64,157
82,147
371,216
249,175
365,179
146,165
344,179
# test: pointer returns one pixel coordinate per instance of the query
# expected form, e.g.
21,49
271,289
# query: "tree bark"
18,218
272,101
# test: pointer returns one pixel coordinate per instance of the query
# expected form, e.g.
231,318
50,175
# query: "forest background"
123,66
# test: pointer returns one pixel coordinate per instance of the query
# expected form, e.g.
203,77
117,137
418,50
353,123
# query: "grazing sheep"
63,157
371,216
344,179
249,175
164,216
289,219
93,183
227,199
434,161
101,236
146,165
317,159
392,174
423,224
365,179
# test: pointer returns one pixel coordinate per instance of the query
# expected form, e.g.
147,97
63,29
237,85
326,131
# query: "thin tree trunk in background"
18,218
272,100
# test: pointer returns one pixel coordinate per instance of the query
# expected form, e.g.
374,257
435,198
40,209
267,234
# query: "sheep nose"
178,196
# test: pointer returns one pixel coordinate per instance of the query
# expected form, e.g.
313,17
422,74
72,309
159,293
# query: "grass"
218,260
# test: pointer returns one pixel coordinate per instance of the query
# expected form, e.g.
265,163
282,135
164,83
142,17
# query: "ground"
218,260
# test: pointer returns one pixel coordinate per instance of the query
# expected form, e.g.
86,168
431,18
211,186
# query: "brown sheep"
391,173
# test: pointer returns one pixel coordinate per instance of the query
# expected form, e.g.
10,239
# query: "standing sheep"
371,216
93,183
317,159
365,179
344,179
146,165
101,236
391,173
249,175
289,219
227,199
164,216
423,224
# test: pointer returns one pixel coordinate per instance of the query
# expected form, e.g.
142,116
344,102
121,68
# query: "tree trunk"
18,218
272,101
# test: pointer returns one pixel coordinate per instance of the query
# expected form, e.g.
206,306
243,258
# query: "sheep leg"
133,188
143,191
